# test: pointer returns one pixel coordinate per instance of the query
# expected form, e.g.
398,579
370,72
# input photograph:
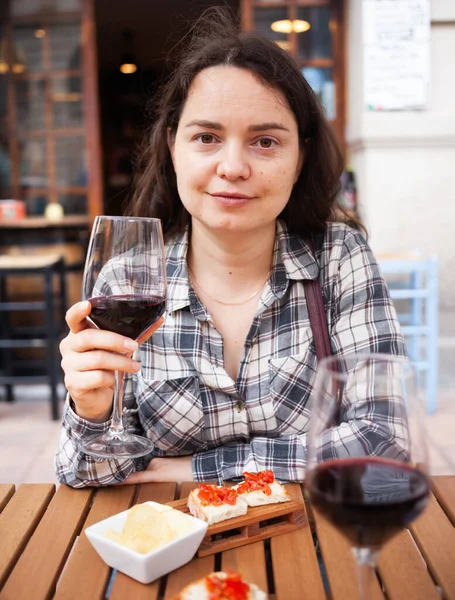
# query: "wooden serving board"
260,523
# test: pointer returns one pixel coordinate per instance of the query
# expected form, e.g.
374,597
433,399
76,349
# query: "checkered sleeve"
361,319
75,468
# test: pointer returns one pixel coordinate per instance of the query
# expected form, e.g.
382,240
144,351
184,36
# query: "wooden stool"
46,336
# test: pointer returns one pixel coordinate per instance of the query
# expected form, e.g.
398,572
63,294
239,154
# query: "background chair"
413,285
16,335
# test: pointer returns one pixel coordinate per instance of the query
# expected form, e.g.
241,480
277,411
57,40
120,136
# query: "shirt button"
239,406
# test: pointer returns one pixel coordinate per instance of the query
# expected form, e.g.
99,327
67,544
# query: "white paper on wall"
396,54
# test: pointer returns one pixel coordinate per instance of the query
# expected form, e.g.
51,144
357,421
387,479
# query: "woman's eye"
206,138
266,143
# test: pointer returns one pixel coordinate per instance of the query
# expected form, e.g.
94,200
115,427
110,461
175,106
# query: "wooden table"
44,553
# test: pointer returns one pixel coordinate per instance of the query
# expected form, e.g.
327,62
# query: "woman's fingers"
76,316
90,339
87,381
150,331
100,360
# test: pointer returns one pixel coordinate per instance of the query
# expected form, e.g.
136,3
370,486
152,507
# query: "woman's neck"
238,261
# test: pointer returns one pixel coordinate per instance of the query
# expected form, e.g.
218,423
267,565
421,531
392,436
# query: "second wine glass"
125,282
367,453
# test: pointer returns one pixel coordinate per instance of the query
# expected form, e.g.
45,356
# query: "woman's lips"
231,199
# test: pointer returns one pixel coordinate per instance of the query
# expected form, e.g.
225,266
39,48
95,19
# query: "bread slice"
262,488
202,590
259,497
214,513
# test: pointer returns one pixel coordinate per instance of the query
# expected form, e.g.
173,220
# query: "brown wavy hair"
216,39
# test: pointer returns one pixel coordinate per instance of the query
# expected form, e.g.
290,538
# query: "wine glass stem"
116,429
365,559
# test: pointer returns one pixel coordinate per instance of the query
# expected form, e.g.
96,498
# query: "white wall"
405,160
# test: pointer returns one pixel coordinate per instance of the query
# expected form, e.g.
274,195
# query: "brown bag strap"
318,320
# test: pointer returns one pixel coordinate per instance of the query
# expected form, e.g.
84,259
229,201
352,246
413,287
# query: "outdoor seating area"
227,300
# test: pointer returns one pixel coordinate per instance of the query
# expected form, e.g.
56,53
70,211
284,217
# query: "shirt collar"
293,259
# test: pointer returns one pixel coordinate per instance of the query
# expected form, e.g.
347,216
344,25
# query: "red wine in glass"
369,499
128,314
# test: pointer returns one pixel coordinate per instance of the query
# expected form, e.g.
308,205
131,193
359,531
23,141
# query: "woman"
243,169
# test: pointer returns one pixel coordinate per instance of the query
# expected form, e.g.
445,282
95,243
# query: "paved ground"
28,437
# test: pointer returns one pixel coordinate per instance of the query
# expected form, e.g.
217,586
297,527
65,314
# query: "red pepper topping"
230,588
216,495
257,481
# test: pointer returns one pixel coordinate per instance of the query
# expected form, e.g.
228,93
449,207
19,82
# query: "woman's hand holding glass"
90,358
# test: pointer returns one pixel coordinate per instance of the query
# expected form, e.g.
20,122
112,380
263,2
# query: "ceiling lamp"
4,66
128,68
128,64
287,26
18,65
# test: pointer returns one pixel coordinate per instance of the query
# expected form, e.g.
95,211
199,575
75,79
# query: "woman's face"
236,151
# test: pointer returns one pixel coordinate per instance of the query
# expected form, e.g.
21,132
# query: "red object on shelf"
11,210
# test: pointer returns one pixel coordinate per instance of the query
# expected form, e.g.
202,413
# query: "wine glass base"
108,445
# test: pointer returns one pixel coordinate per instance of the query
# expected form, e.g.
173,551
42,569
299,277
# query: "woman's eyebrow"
219,127
206,124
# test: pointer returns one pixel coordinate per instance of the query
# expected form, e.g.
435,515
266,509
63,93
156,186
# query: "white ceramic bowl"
145,567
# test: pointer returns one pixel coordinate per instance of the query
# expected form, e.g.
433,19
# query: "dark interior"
148,32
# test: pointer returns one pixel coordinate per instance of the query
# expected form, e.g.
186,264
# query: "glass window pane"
74,204
24,7
263,20
68,5
5,161
70,163
29,7
317,41
35,205
67,102
27,53
65,47
33,163
30,108
321,81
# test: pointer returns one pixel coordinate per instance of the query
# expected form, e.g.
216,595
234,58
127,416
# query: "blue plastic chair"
415,279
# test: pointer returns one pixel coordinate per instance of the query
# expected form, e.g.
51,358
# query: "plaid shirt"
185,401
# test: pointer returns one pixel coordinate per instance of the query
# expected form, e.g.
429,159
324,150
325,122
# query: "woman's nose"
233,163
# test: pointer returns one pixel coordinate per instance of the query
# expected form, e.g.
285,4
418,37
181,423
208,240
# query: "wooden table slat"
435,537
84,558
125,587
42,561
339,563
248,560
411,579
295,566
196,569
18,521
444,490
6,492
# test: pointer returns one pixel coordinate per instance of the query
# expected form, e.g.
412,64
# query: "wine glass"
367,452
125,282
